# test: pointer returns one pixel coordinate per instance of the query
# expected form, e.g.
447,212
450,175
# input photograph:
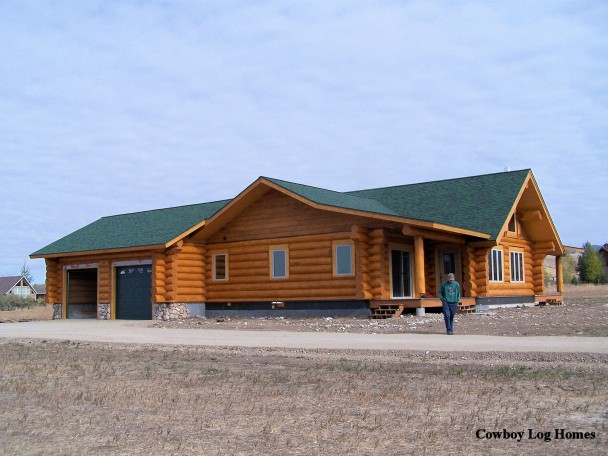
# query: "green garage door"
133,292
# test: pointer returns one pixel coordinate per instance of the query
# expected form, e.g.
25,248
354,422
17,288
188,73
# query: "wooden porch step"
467,308
384,311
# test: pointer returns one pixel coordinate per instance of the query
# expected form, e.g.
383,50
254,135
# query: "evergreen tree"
589,265
25,272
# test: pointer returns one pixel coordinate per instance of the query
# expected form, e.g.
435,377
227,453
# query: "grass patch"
10,302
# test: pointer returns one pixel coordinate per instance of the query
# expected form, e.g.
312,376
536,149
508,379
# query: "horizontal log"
182,269
319,261
510,292
311,253
529,216
297,269
246,265
283,240
278,285
283,295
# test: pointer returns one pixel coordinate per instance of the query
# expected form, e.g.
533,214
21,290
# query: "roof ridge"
166,208
348,194
438,180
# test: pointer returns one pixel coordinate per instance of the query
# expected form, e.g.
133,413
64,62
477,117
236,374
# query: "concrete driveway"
122,331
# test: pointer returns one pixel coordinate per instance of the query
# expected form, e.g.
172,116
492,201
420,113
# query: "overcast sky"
109,107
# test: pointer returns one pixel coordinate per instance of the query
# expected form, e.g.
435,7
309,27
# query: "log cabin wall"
532,268
309,236
469,283
54,282
430,268
310,271
190,273
479,270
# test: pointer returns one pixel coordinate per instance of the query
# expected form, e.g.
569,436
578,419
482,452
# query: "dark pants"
449,311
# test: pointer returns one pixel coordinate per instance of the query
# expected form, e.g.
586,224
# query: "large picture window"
495,266
343,259
517,266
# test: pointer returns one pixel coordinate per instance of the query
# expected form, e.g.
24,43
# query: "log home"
286,249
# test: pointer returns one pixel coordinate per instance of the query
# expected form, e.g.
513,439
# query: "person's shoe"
450,333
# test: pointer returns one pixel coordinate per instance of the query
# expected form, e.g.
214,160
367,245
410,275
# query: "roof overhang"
100,252
530,209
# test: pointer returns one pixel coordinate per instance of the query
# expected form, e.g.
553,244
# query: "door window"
401,273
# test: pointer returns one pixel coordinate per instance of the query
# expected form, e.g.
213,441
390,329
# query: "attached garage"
133,292
81,296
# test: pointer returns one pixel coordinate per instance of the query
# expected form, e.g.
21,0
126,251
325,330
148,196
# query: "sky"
110,107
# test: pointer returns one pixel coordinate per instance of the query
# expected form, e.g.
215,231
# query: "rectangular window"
220,267
343,259
495,265
279,263
517,266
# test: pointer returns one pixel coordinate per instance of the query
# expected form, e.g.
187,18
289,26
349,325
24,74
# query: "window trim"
271,251
492,271
521,270
214,266
334,249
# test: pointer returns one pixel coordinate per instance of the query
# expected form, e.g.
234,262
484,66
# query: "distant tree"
569,269
589,265
25,272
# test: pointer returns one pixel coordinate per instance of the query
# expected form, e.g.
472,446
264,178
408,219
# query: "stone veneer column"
57,311
170,311
103,311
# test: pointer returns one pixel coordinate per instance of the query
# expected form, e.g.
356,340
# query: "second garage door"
133,292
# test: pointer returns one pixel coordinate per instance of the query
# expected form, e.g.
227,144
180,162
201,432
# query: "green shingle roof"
134,230
478,203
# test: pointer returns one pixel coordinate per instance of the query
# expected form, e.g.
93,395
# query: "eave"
100,252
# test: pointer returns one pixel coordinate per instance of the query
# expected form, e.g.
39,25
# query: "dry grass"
34,313
581,291
68,398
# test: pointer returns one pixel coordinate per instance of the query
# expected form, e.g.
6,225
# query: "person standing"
449,294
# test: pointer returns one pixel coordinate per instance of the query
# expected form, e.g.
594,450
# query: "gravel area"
576,317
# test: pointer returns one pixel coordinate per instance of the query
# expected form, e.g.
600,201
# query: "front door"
449,262
401,274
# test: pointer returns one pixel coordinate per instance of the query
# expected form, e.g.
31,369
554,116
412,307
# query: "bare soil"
72,398
67,398
576,317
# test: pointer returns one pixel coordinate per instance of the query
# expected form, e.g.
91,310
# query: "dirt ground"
69,398
72,398
576,317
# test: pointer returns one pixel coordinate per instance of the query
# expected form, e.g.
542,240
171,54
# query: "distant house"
18,286
40,292
283,248
603,254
